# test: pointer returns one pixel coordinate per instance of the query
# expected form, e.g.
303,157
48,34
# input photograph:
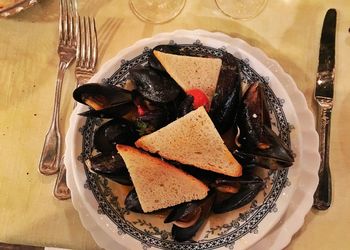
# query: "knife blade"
324,98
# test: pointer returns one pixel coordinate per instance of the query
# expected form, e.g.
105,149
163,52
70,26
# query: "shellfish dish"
185,135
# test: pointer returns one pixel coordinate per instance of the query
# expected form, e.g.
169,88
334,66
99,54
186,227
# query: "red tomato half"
200,99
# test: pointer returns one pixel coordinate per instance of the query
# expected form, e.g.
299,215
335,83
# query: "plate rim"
16,7
221,37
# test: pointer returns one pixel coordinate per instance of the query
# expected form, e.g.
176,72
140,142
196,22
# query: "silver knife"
324,99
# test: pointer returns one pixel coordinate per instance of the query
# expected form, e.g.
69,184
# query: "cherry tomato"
200,99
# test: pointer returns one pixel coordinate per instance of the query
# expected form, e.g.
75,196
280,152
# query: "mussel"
185,106
132,202
153,61
248,188
260,145
189,217
154,85
225,103
113,132
105,100
110,166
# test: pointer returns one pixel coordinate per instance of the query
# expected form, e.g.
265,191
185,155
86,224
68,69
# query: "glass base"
241,9
156,11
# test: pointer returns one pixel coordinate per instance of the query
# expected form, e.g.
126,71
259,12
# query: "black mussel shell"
181,211
245,179
253,115
100,96
225,103
112,167
246,194
182,234
132,202
186,106
154,85
253,160
273,155
260,145
115,111
113,132
153,61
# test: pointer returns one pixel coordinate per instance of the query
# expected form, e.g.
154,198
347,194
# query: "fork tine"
83,42
64,21
95,45
60,22
88,43
78,54
71,17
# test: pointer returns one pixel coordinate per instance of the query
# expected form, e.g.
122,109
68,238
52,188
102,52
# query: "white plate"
240,231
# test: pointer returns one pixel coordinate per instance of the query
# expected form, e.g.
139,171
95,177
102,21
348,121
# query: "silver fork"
85,68
49,161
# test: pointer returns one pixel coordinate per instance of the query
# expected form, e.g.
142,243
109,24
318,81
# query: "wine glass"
156,11
241,9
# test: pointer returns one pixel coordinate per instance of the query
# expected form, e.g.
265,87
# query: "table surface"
287,30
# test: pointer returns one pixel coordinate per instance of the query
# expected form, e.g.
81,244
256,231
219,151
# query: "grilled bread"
192,140
159,184
192,72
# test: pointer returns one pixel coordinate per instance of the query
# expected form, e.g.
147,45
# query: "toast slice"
192,72
159,184
192,140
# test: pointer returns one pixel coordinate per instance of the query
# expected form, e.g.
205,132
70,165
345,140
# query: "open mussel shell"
110,166
106,101
260,145
115,111
274,154
104,95
253,115
247,192
251,160
185,212
113,132
186,233
154,85
132,202
225,103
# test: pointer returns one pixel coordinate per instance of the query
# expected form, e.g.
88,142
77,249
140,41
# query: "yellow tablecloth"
287,30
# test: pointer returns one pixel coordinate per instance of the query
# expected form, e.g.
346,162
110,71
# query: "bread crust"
159,184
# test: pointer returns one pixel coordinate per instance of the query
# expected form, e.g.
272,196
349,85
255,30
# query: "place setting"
189,138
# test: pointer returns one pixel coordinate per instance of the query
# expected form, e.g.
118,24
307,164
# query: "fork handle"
323,194
49,160
61,190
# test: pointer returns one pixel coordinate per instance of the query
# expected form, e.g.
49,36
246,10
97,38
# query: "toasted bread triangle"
192,140
192,72
159,184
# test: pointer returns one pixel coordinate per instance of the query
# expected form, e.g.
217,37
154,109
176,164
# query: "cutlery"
86,59
324,99
49,161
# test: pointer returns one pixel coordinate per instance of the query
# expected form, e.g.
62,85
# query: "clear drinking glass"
241,9
156,11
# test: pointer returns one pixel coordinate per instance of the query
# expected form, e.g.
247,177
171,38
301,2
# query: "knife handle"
323,194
